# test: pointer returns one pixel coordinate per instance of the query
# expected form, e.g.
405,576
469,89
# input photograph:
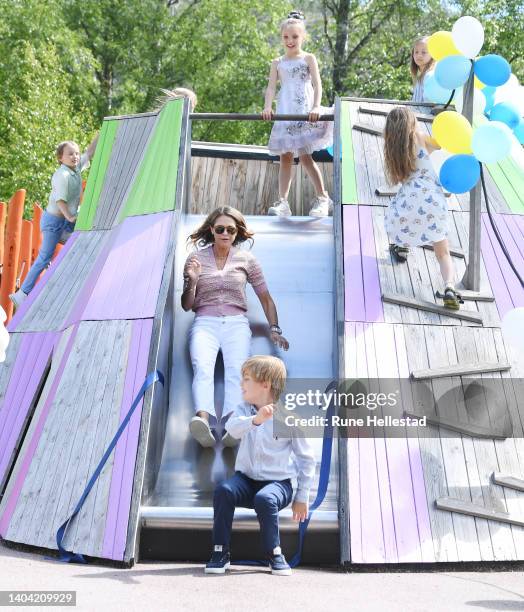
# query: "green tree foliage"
65,64
42,76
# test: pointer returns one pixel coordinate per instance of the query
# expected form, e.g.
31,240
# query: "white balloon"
513,328
437,158
479,102
468,36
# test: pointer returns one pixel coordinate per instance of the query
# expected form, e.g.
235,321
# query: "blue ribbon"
65,555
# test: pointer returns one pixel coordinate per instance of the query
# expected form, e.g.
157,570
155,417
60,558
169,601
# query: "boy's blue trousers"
267,497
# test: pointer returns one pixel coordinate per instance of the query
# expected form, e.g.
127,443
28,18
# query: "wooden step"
460,370
453,252
388,192
472,296
383,113
368,129
469,429
400,300
512,482
462,507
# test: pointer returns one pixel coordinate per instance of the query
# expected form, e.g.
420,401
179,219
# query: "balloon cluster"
497,96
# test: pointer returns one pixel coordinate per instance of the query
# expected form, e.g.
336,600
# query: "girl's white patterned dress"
296,97
418,214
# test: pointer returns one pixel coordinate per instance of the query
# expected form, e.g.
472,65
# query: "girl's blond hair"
418,74
266,368
294,18
400,144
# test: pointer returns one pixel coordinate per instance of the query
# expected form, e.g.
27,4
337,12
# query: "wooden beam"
252,117
465,315
368,129
453,252
463,507
383,113
512,482
460,370
471,296
469,429
387,192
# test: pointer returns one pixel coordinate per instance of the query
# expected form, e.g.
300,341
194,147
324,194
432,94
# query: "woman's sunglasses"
220,229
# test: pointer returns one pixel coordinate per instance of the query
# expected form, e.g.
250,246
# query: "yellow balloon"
440,45
479,84
453,132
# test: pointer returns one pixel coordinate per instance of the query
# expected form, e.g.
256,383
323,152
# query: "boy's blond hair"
266,368
60,148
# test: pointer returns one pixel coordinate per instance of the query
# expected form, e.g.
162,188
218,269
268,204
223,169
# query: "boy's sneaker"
201,431
17,297
278,563
321,206
220,560
280,208
228,440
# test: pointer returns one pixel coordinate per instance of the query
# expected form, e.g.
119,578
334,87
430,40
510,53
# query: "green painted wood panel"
349,177
154,188
97,174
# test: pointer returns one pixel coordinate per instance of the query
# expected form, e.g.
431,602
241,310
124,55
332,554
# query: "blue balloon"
460,173
489,94
453,71
507,113
493,70
434,92
519,131
491,142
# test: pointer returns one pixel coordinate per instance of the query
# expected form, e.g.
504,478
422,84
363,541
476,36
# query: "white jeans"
207,336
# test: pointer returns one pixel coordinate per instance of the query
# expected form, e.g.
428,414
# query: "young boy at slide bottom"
264,467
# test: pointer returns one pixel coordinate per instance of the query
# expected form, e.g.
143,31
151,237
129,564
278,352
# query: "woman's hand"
194,269
279,340
267,114
300,511
314,114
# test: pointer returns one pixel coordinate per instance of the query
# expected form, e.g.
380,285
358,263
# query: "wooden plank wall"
251,186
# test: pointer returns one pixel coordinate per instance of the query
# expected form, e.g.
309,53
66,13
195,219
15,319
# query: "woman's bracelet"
276,329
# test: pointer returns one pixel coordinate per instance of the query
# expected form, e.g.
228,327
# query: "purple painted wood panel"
122,477
372,293
506,287
32,359
32,446
20,313
128,283
354,309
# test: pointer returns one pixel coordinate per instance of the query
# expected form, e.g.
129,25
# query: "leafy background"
65,64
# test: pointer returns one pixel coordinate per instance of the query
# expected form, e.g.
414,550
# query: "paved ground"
176,586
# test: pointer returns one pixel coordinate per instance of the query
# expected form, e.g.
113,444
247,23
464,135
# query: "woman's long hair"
203,235
417,74
400,144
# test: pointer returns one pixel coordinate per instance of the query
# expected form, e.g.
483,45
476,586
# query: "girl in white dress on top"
300,94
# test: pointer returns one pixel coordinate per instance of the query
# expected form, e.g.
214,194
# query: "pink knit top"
223,292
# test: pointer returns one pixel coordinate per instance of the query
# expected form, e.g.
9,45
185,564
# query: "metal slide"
297,256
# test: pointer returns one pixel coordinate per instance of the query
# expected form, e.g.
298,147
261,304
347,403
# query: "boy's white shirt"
262,457
66,185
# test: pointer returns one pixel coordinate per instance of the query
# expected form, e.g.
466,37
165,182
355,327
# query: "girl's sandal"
401,253
452,299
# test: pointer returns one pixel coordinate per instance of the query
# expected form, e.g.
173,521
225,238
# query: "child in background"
59,217
178,92
300,94
263,469
421,64
418,214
